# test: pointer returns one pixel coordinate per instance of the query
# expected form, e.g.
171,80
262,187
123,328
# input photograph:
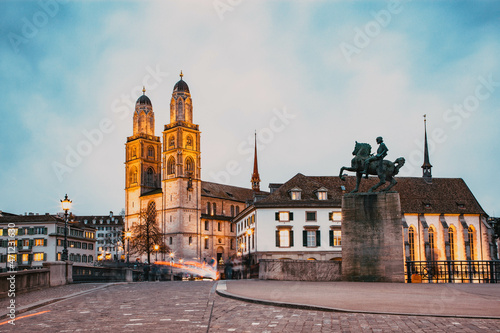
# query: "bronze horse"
361,152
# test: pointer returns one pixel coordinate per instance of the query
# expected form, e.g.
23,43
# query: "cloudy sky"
311,77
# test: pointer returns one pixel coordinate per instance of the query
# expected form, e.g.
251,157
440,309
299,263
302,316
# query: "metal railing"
453,271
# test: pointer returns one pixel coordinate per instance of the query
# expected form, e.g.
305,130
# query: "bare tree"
146,234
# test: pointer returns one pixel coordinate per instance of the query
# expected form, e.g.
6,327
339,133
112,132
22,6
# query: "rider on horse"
381,153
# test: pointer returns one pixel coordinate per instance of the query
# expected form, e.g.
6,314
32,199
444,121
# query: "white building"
29,240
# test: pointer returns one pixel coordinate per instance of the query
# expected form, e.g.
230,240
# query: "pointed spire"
426,167
255,176
143,90
181,75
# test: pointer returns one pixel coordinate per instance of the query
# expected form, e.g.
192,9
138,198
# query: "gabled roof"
443,195
30,218
228,192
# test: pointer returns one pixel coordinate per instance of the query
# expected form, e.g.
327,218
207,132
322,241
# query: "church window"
219,226
170,241
180,110
151,212
171,166
411,242
134,152
189,141
432,242
151,152
232,210
237,210
171,142
451,235
207,227
150,177
208,208
471,243
214,209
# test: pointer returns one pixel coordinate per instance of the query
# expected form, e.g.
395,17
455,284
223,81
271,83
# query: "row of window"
433,242
23,258
219,226
76,233
310,238
101,221
189,142
150,154
76,244
212,209
296,193
310,216
23,231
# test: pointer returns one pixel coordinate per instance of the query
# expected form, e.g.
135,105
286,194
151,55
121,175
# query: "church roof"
181,85
143,100
442,196
227,192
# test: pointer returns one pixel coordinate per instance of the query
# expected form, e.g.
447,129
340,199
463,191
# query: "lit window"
284,216
284,238
38,242
38,257
322,195
295,193
335,216
25,257
310,216
337,237
411,242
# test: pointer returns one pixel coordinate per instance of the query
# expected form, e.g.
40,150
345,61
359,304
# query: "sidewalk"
451,300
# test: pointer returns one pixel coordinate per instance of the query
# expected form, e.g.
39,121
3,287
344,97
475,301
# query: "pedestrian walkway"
460,300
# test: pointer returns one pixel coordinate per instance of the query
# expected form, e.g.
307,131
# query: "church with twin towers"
163,182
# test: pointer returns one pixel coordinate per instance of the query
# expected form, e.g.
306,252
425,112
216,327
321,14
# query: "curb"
222,291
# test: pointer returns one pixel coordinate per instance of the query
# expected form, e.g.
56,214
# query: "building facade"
30,240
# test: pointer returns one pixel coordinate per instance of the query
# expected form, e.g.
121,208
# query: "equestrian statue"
368,164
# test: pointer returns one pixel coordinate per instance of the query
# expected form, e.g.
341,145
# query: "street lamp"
66,205
171,269
128,234
157,247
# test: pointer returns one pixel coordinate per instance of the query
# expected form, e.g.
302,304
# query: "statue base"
372,236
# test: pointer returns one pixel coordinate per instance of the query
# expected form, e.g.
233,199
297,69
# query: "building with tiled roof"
40,238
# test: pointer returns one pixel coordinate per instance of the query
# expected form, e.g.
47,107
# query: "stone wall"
300,270
23,281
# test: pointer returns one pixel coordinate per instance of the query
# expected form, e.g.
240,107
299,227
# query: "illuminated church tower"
181,182
142,157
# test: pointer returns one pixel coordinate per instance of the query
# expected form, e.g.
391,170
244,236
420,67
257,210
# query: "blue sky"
311,77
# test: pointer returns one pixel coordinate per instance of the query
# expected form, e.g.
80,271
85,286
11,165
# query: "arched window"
237,210
151,151
171,141
451,235
189,165
150,177
180,110
171,166
134,152
232,210
208,208
214,209
133,175
151,212
411,241
432,241
471,233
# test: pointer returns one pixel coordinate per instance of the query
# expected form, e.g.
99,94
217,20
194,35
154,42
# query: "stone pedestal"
372,238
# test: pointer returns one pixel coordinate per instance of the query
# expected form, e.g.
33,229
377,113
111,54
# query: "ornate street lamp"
128,234
66,206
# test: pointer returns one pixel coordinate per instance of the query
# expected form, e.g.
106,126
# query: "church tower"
142,157
255,176
181,181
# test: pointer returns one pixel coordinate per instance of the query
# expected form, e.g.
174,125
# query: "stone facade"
300,270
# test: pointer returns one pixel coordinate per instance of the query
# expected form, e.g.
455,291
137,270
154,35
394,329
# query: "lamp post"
66,205
157,247
171,269
128,234
249,234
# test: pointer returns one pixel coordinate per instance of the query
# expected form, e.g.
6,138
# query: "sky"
310,77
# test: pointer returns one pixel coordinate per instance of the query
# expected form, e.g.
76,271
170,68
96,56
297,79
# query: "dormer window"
295,193
322,193
460,205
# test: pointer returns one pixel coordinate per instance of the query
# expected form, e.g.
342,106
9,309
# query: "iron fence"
453,271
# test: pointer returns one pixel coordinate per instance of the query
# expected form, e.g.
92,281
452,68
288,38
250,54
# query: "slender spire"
255,176
426,167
